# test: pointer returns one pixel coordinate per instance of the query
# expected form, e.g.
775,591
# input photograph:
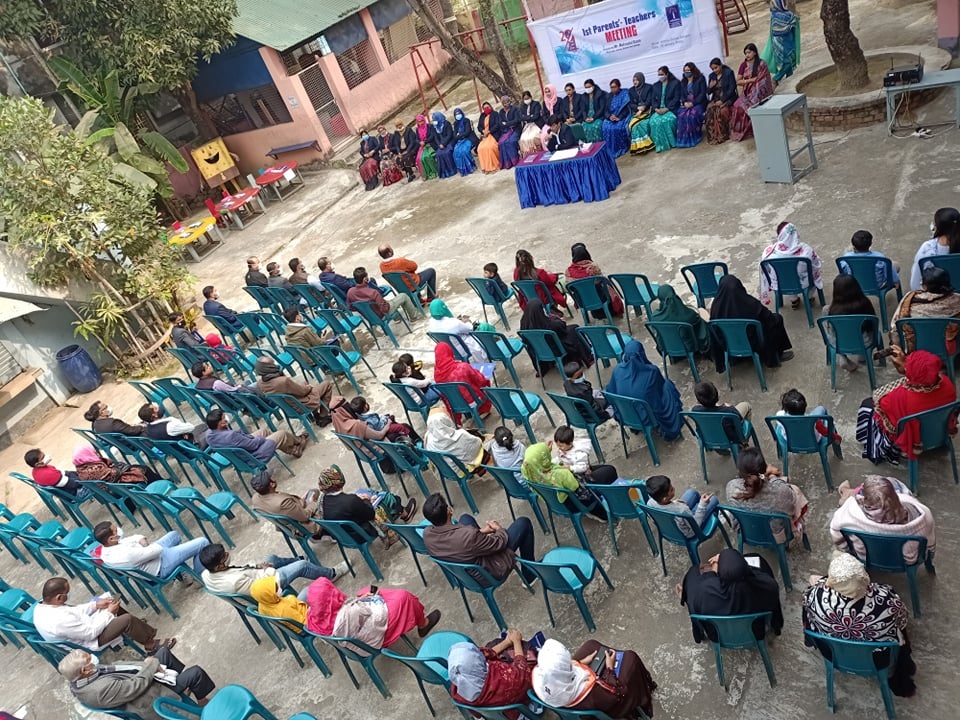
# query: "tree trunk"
843,45
464,56
188,100
492,32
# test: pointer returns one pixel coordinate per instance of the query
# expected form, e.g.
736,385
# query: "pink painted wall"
948,25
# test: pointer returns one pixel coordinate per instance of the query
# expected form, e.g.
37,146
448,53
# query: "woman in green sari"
661,126
672,309
595,110
641,97
538,467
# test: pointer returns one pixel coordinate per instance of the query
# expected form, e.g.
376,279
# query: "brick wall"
871,112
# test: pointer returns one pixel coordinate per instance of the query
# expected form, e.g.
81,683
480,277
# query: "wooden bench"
276,152
936,79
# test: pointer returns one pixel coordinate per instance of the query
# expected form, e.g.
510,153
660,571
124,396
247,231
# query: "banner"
617,38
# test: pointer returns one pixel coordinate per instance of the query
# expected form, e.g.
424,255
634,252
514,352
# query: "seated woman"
727,584
575,349
622,686
444,436
848,606
548,107
884,506
641,100
526,269
848,299
693,105
722,90
427,153
531,119
445,143
924,386
571,106
390,171
662,125
369,160
446,369
945,229
376,619
271,601
734,303
583,266
594,111
351,418
488,676
465,141
442,321
488,151
370,509
510,127
636,377
507,451
936,299
761,489
538,467
672,309
405,144
788,245
619,111
756,85
90,466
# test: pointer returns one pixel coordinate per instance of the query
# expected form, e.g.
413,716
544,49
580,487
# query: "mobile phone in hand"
374,589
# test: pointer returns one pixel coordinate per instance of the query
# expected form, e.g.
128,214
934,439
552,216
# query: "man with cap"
268,500
260,444
272,380
367,508
221,577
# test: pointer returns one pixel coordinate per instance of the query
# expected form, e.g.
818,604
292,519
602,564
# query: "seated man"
327,275
95,624
390,263
182,336
275,279
169,428
300,333
254,278
260,444
362,292
207,380
491,546
100,416
133,685
237,579
268,500
213,307
44,473
272,380
158,558
561,136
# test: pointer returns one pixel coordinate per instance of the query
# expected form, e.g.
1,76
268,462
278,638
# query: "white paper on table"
565,154
289,175
586,147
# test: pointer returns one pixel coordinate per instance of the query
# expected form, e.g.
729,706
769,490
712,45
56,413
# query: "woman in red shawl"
924,387
527,270
583,266
446,369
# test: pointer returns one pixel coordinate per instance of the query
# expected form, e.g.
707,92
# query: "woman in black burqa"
733,302
576,350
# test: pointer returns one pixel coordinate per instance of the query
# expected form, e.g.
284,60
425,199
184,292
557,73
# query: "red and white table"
244,202
273,175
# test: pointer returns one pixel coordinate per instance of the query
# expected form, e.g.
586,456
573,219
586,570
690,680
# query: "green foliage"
21,18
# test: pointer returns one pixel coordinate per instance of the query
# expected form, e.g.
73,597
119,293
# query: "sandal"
795,303
409,510
168,643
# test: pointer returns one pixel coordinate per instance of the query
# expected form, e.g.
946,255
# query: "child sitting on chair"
574,454
577,386
792,402
495,284
702,508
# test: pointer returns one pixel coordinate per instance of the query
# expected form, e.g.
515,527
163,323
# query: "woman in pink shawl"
329,608
788,245
549,103
427,154
755,85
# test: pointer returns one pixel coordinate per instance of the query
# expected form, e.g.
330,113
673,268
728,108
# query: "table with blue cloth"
589,176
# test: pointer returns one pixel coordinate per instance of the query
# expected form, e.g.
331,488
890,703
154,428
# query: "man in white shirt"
94,625
221,577
169,428
160,558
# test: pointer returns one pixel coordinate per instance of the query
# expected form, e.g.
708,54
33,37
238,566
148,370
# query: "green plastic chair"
885,553
567,571
718,430
564,713
359,652
231,702
944,262
674,340
930,334
667,529
606,342
875,277
757,530
517,405
536,290
703,279
342,323
848,332
738,341
580,414
544,346
555,507
366,454
735,632
240,603
500,348
498,712
785,272
365,310
211,509
621,506
294,534
293,633
430,663
591,294
634,414
450,469
477,579
412,398
405,459
350,536
462,399
800,436
412,537
514,489
402,282
479,286
637,292
461,352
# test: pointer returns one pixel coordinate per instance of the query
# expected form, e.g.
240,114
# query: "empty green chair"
591,294
723,431
210,509
675,340
154,497
867,659
636,415
756,529
885,553
517,405
738,338
637,292
480,287
412,537
930,334
799,435
406,459
703,279
350,536
231,702
581,414
450,469
735,632
373,320
349,648
477,579
404,283
667,529
430,663
556,507
507,479
845,335
500,348
785,274
620,504
544,346
606,342
567,571
366,454
294,534
875,275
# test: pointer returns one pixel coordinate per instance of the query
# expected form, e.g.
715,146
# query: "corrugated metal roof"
283,24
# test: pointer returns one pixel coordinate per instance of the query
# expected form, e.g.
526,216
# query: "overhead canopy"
284,24
11,309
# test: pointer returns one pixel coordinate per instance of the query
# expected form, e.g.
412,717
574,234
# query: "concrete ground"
685,206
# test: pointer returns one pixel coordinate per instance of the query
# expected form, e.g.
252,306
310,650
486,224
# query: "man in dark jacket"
254,278
182,336
169,428
100,416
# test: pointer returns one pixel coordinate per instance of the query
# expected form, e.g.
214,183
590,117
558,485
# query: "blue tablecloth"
590,176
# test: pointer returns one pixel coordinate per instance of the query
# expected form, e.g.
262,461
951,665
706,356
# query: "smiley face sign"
215,162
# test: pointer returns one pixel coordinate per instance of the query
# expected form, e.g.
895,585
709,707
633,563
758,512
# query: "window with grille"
423,32
248,110
398,37
359,63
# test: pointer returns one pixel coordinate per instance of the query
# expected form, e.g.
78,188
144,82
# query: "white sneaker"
342,570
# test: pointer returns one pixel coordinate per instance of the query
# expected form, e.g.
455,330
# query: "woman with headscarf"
378,619
271,601
427,154
465,140
722,90
408,150
755,85
594,111
576,350
444,436
848,606
782,51
445,141
486,677
583,266
621,687
488,151
538,467
734,303
370,509
924,386
944,240
936,298
442,321
636,377
641,99
662,124
90,466
447,369
390,172
526,269
509,140
547,109
618,113
693,105
531,119
788,245
884,506
369,160
728,585
673,309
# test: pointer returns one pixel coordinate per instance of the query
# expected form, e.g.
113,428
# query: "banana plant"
112,109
